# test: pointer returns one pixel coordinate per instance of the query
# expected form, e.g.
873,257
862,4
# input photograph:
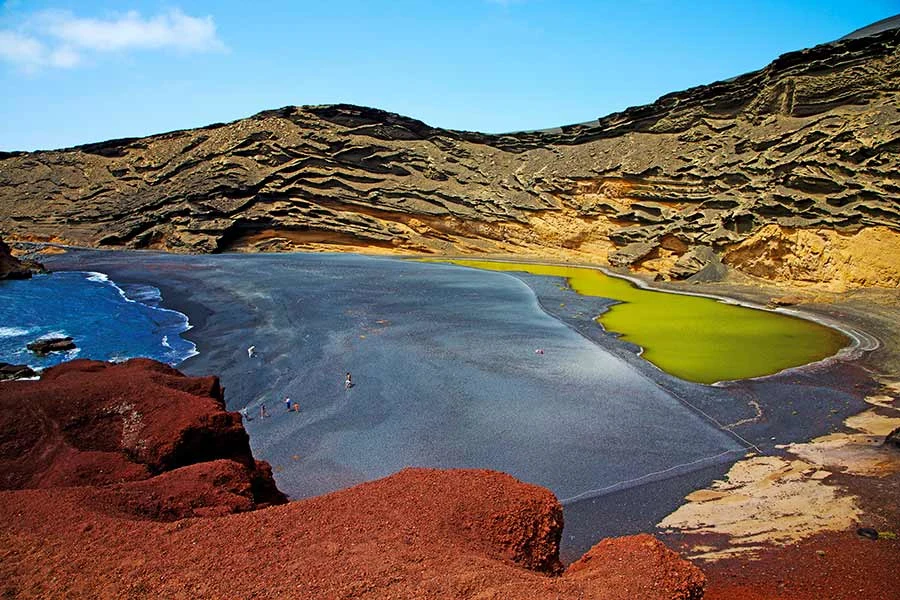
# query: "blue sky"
74,72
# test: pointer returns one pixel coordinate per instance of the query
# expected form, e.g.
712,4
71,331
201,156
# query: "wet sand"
447,376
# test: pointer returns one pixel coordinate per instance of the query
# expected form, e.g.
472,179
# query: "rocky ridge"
789,172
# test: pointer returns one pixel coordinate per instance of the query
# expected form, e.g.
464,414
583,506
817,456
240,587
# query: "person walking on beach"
263,413
348,383
287,404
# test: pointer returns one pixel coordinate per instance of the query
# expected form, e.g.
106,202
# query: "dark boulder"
9,371
692,262
867,532
893,439
630,254
46,346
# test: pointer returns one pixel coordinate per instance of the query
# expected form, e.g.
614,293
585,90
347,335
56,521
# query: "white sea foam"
146,294
103,278
53,334
8,332
35,378
97,277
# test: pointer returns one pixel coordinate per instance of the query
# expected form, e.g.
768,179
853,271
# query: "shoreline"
159,322
674,488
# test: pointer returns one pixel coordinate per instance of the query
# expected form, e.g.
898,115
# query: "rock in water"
9,371
46,346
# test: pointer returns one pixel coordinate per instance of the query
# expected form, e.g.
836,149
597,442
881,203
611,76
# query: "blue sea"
107,322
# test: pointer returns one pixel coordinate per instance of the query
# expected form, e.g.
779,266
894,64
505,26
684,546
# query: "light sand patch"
855,453
886,400
718,554
883,401
764,499
767,499
872,423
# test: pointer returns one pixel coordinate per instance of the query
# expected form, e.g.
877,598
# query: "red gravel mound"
95,458
619,562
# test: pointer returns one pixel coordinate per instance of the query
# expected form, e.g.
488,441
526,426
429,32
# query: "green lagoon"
692,337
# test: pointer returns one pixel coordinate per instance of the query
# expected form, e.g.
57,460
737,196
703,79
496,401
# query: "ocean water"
107,322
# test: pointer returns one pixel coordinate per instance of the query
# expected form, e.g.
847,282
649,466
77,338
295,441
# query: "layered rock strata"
132,480
783,165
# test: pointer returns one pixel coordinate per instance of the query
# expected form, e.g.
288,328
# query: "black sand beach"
446,375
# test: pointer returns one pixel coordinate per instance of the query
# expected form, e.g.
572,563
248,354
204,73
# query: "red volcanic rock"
642,566
132,481
421,533
88,423
486,512
206,489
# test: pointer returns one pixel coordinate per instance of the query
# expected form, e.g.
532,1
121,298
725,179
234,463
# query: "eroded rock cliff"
808,144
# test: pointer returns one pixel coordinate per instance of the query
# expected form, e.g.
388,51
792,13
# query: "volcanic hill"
788,173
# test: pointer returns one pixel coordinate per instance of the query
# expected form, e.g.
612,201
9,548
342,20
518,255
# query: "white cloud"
21,49
65,57
170,30
60,39
30,54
